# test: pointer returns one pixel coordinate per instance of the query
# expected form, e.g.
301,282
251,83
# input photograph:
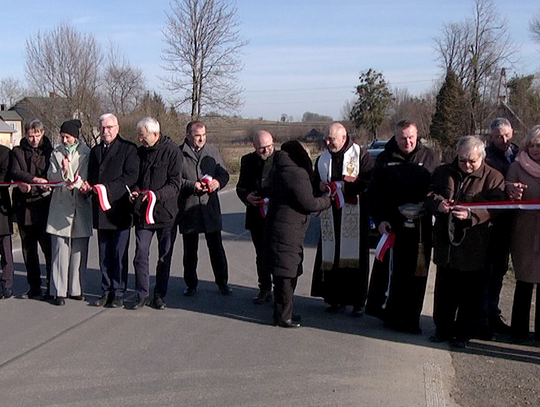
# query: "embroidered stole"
349,252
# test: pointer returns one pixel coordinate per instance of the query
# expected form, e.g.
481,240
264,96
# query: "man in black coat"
6,225
252,189
31,203
500,153
203,174
113,166
401,176
155,196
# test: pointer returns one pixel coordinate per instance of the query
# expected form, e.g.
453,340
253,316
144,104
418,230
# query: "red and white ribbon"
36,184
336,192
150,207
206,179
103,197
263,207
386,242
522,205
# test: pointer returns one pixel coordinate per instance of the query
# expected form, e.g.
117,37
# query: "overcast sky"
303,55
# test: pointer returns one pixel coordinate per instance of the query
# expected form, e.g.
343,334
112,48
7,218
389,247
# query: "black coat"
291,202
254,177
28,162
399,179
201,213
115,168
496,158
161,172
6,224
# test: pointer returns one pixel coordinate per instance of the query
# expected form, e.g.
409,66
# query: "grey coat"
201,213
70,213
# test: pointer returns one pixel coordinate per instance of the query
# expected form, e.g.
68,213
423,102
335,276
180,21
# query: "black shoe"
225,289
264,296
58,301
7,293
47,297
498,325
101,301
459,342
32,295
190,291
115,302
158,303
290,323
438,338
76,297
141,302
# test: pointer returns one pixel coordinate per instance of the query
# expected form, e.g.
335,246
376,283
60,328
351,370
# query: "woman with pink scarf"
525,239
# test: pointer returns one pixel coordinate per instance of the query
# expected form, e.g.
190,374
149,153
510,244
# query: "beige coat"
525,241
70,213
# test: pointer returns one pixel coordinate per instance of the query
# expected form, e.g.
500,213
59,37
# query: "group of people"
62,192
466,212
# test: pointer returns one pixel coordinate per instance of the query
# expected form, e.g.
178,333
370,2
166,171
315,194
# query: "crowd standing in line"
161,186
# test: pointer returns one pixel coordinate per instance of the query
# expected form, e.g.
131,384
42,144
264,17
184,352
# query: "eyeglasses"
468,161
109,127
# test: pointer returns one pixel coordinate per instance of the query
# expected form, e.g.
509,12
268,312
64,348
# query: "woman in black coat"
291,202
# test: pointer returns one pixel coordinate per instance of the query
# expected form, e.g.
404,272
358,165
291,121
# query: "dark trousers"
457,301
497,266
166,238
7,262
216,253
263,271
31,236
521,310
283,298
113,260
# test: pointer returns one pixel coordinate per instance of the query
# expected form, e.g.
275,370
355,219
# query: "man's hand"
24,188
515,190
85,187
323,186
461,213
253,199
384,227
133,196
39,180
213,185
65,164
445,206
199,187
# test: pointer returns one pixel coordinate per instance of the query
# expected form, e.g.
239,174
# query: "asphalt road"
211,350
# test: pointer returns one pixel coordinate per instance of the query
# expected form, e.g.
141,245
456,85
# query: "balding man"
342,262
252,189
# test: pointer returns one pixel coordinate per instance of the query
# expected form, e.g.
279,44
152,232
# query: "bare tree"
202,55
124,83
66,63
11,91
476,50
534,27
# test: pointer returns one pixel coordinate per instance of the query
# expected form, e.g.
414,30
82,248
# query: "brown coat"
463,244
525,237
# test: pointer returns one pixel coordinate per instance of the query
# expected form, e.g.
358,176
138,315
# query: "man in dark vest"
252,189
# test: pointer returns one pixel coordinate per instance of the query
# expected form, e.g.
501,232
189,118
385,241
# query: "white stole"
349,252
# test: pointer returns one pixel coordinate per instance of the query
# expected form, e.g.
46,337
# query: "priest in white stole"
342,262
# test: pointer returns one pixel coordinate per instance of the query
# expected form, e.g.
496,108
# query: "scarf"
528,164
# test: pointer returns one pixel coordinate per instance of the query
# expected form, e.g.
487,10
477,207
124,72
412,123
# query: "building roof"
6,128
10,115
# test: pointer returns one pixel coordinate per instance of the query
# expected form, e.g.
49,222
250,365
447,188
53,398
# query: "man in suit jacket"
252,189
113,166
203,174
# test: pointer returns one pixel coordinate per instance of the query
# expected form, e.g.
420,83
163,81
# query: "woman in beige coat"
525,239
70,215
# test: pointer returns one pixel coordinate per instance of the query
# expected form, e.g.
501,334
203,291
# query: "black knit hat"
71,127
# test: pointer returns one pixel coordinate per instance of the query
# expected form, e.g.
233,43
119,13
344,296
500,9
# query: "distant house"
6,133
313,135
52,111
15,121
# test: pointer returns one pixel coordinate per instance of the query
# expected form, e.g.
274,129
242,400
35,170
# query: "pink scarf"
528,164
